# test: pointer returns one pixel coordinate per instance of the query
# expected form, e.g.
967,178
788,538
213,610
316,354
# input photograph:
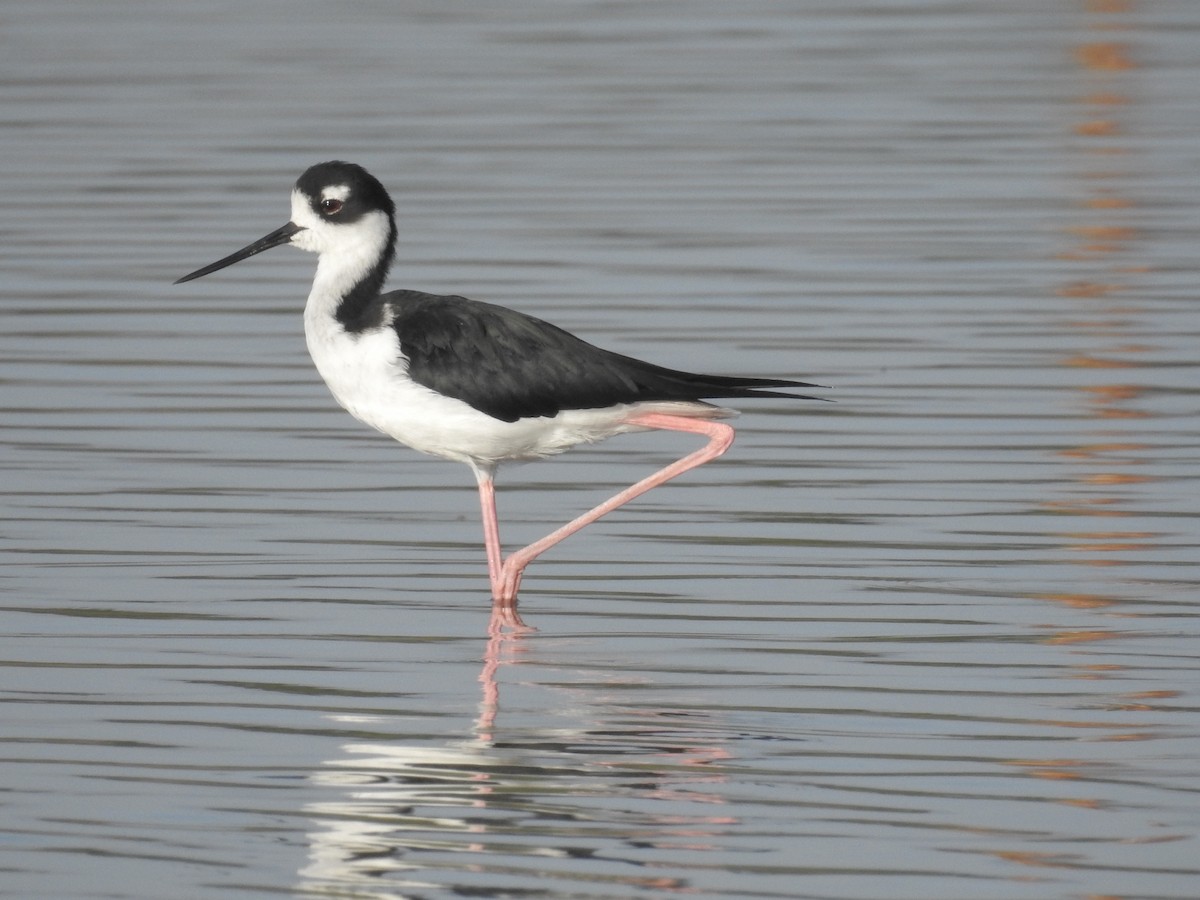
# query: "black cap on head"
366,193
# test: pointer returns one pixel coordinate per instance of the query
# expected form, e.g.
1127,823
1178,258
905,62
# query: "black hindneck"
359,309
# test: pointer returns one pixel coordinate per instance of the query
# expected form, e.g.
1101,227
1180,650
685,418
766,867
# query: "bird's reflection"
494,810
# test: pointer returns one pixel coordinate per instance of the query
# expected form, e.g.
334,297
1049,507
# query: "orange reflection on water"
1078,601
1086,506
1031,858
1114,478
1109,6
1086,289
1083,803
1105,98
1108,201
1097,126
1081,636
1092,451
1095,671
1109,393
1088,361
1104,56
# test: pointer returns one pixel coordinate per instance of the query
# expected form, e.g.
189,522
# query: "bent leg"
720,437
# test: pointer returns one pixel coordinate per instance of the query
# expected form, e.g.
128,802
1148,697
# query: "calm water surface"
934,640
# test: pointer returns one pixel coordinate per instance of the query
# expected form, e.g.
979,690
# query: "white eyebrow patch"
336,192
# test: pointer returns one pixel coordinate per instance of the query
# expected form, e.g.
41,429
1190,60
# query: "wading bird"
470,381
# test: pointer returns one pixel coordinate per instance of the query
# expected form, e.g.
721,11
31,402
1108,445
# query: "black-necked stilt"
469,381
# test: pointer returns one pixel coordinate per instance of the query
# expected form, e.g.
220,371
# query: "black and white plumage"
471,381
512,366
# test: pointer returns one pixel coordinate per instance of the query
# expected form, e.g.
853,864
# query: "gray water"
934,640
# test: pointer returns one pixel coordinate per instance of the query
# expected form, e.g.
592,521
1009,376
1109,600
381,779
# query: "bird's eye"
330,206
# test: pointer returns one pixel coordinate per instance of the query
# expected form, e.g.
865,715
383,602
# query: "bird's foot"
506,585
506,621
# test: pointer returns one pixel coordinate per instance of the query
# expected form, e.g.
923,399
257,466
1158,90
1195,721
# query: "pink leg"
491,528
506,575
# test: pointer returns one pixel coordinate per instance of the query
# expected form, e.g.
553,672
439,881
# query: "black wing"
513,366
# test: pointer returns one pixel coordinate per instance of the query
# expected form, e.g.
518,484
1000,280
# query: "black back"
512,366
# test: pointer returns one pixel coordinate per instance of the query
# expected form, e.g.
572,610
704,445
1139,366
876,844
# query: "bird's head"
338,208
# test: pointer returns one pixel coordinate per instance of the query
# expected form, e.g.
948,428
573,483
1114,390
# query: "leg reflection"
506,632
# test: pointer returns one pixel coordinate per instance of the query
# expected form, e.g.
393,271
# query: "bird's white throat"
348,253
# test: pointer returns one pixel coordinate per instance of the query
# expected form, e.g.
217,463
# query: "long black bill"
279,236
